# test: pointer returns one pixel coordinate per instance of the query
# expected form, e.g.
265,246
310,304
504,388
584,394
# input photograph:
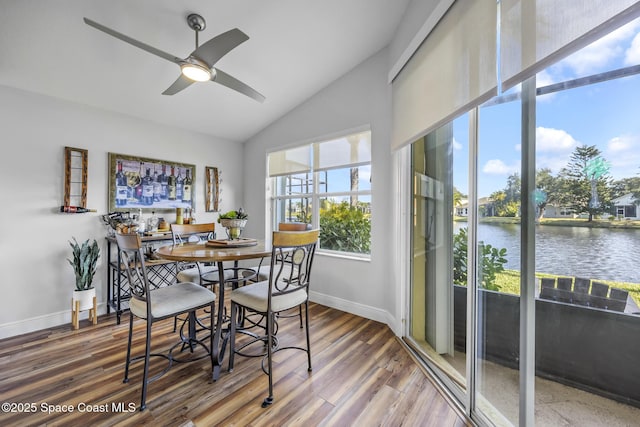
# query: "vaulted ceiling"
295,48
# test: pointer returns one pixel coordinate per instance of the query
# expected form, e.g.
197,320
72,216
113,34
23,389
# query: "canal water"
595,253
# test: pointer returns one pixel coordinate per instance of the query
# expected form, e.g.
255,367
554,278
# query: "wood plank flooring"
362,376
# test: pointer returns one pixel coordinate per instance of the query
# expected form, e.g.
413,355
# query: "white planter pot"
85,298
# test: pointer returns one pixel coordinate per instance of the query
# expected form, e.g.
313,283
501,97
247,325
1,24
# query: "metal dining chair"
193,233
262,271
192,272
287,287
154,304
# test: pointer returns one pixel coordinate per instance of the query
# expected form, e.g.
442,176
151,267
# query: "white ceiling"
296,47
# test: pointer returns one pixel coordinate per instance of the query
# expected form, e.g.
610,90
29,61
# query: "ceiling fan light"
196,72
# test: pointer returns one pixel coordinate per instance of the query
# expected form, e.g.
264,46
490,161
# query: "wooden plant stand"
75,313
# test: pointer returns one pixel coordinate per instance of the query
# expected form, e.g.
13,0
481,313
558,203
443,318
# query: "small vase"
234,233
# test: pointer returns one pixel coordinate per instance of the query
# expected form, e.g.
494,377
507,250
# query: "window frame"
316,195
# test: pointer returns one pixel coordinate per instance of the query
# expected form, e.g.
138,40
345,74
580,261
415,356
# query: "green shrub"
345,228
460,257
493,260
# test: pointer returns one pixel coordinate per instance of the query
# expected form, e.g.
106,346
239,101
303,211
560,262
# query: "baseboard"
55,319
361,310
38,323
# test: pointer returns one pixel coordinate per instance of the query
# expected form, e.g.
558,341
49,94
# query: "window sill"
343,255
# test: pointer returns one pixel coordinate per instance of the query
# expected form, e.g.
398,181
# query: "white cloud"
554,163
456,145
544,78
592,58
498,167
623,153
599,54
554,140
632,55
620,143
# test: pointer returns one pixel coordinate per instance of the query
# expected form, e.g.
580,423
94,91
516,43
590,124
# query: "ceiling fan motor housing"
196,22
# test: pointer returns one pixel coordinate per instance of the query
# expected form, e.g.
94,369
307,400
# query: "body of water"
595,253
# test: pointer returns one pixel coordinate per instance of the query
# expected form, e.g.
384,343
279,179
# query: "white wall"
359,98
34,129
36,281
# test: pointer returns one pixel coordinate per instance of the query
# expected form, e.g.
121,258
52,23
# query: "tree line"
575,188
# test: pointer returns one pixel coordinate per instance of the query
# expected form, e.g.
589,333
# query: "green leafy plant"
493,260
460,257
85,258
239,214
345,228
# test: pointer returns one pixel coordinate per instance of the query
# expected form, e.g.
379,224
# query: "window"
326,184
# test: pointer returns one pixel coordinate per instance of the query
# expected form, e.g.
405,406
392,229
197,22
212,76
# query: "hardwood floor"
362,376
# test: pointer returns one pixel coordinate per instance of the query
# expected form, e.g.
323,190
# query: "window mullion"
527,261
315,201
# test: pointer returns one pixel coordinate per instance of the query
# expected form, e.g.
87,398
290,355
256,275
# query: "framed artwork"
149,184
212,189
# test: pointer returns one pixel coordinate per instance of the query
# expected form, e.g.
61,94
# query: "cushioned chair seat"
193,274
263,272
254,297
168,300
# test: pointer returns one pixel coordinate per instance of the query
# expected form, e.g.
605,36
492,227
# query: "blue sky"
604,114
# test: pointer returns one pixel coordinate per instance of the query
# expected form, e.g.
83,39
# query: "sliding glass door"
438,307
525,229
496,238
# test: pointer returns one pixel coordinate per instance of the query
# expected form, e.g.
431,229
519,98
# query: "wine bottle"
137,190
186,187
76,209
164,192
142,223
179,185
121,187
171,185
157,186
152,222
147,189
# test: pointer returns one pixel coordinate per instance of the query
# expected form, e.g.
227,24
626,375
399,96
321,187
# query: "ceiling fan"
199,65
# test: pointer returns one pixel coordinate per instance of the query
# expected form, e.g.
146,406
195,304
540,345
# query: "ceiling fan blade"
134,42
232,83
214,49
181,83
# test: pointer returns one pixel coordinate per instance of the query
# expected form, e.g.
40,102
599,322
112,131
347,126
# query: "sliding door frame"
468,396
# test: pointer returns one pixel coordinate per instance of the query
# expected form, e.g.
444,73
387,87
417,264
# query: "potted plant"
234,222
84,262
